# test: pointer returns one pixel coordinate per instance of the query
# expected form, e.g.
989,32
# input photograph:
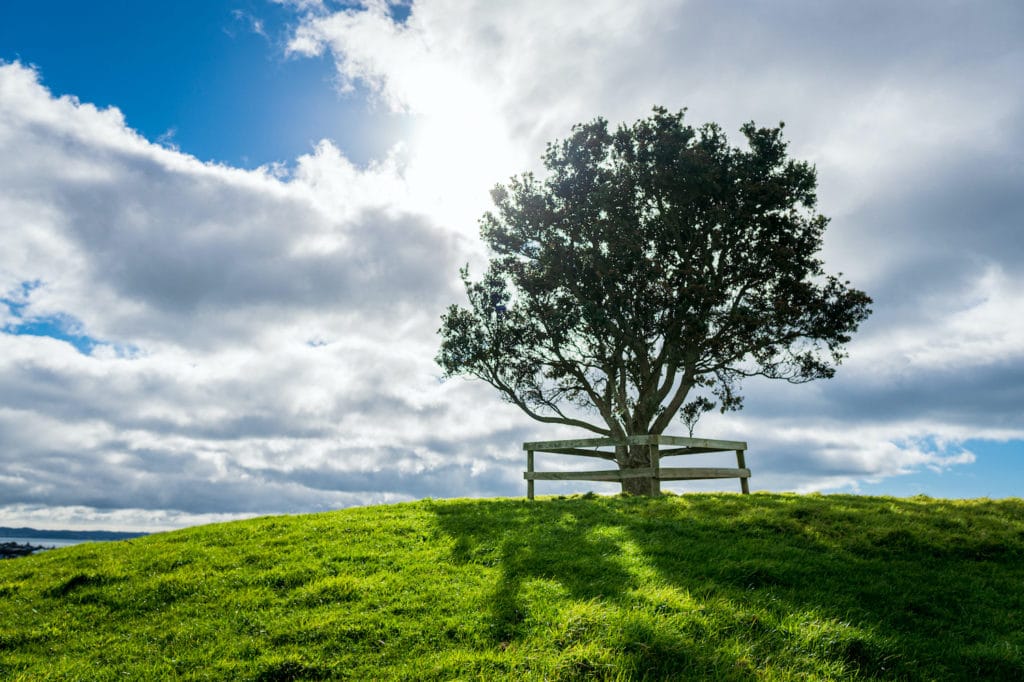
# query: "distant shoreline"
19,542
33,533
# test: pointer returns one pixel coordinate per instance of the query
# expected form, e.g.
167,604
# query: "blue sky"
210,77
230,228
996,472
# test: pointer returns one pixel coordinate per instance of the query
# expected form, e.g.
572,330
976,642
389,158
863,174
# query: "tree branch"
685,385
521,404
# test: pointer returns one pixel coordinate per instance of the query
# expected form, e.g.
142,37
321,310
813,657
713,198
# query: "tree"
652,270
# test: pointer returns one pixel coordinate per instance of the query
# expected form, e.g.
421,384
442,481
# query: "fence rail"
681,446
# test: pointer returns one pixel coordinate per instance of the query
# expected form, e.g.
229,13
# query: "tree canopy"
651,270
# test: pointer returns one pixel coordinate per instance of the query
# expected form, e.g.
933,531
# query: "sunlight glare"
459,150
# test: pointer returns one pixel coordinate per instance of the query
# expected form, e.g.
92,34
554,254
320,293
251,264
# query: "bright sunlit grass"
696,587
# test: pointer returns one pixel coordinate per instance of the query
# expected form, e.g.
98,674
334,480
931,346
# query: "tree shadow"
526,540
883,586
877,588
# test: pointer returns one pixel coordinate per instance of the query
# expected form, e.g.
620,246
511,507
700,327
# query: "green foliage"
652,262
725,587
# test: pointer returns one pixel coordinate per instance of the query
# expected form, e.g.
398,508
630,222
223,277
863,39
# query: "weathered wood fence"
678,446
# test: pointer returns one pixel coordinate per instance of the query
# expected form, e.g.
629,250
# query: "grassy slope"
693,587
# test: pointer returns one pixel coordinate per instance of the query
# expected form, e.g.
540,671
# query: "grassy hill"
695,587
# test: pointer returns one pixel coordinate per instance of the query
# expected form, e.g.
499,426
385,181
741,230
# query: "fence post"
529,469
742,464
656,465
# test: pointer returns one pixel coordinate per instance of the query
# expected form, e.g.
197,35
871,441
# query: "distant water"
45,542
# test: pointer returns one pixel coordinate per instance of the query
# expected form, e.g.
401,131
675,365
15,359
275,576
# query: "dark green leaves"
649,262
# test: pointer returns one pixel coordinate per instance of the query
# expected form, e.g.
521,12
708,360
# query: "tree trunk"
637,457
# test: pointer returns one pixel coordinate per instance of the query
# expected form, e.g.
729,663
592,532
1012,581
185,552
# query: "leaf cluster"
651,262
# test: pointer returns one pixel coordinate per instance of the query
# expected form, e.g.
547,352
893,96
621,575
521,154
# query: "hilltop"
691,587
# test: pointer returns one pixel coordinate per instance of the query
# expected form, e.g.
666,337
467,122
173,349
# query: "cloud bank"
263,340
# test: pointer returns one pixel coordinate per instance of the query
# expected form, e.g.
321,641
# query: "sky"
228,229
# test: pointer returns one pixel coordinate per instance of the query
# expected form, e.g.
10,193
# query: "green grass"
721,587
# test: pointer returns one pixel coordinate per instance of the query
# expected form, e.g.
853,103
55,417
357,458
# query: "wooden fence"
677,446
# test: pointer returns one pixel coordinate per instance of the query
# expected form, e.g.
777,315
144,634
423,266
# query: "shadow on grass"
869,587
525,541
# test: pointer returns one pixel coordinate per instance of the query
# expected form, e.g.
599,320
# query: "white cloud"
977,328
899,120
282,324
303,5
283,331
146,245
488,83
